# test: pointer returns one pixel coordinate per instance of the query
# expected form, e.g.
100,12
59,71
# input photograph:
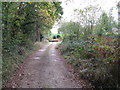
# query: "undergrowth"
13,57
94,60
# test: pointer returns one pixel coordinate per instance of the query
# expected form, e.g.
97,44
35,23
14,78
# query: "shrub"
94,60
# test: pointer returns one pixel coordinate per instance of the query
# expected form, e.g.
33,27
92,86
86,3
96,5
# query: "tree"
25,21
71,30
88,18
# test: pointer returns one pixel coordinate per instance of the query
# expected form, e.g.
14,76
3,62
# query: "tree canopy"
24,21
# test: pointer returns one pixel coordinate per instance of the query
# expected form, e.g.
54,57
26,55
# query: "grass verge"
13,58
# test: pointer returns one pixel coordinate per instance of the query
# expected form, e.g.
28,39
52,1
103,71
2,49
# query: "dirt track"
44,69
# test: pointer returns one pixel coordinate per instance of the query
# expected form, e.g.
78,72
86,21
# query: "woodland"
23,24
91,44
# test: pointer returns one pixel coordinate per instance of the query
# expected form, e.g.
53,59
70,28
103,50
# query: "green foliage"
94,61
105,24
92,48
24,23
70,30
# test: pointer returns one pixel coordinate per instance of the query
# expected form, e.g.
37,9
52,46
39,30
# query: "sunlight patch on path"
36,58
42,50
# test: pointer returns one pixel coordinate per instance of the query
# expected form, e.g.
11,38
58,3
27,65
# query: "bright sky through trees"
70,5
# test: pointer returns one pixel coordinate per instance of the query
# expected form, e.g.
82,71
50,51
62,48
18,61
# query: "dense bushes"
94,60
91,45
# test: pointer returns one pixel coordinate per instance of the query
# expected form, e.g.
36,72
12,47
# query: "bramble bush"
94,60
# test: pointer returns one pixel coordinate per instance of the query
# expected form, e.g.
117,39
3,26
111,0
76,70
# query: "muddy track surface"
44,69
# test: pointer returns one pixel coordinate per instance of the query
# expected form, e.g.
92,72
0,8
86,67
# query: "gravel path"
44,69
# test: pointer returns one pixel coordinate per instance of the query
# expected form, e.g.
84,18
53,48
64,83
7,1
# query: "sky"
69,6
